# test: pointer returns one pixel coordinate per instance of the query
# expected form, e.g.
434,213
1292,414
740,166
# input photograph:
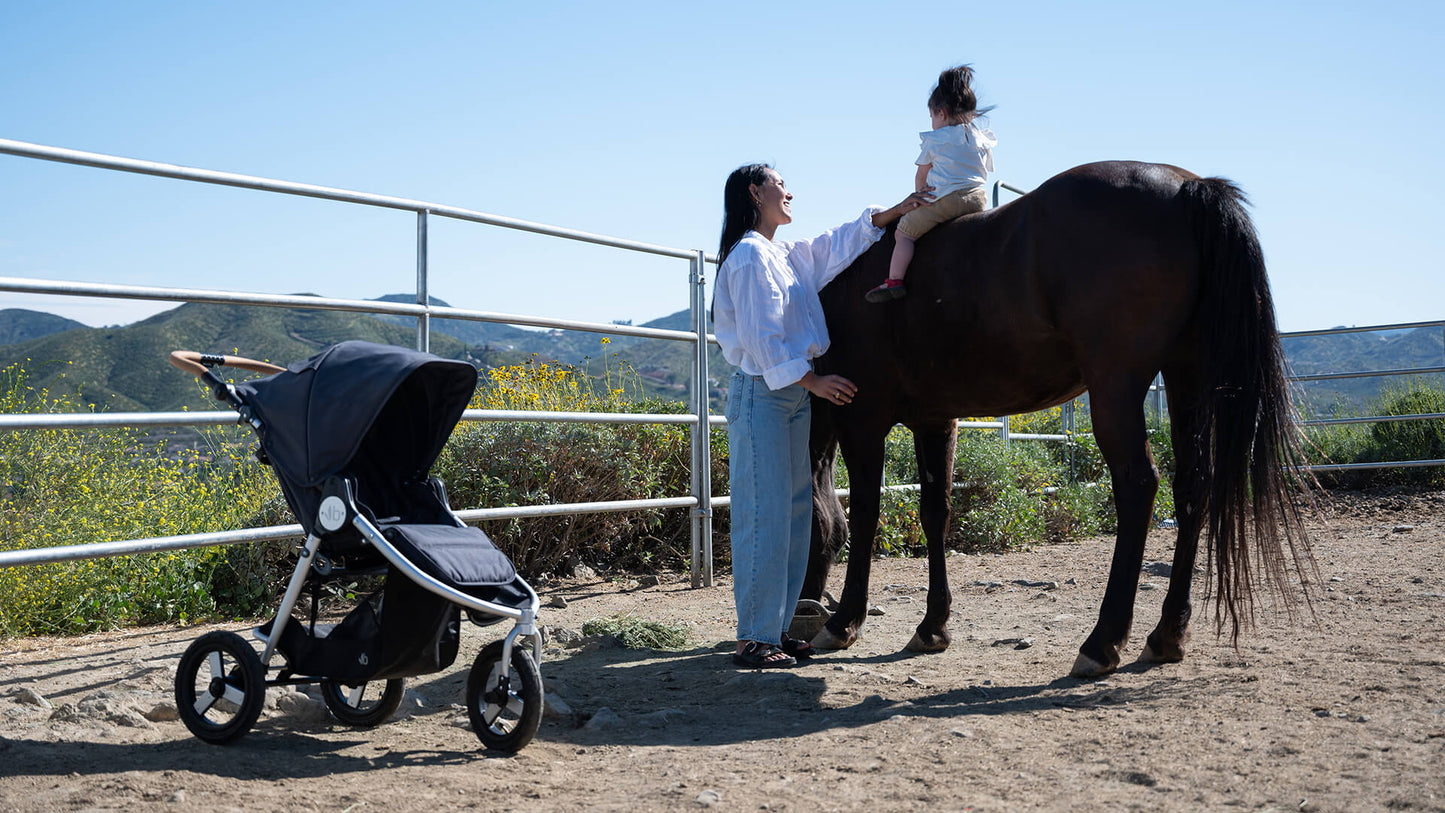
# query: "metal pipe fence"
1157,391
699,420
1369,419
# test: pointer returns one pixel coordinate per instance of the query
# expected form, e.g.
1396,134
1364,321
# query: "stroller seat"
460,557
464,558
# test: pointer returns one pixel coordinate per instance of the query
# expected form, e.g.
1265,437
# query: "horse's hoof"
1165,644
1161,655
933,643
1087,667
825,639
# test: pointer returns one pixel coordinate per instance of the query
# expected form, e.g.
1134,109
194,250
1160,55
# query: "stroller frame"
309,558
221,681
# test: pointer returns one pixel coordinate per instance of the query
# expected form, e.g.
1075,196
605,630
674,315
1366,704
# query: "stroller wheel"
220,687
505,700
364,704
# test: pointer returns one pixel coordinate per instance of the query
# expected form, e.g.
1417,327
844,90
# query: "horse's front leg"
863,454
934,448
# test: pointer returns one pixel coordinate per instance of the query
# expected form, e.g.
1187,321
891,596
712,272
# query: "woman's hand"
923,197
835,389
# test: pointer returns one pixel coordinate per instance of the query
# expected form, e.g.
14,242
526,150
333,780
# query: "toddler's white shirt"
961,155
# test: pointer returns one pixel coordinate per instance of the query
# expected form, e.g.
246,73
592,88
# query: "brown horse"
1099,279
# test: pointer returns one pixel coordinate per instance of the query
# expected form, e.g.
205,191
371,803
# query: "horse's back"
1008,308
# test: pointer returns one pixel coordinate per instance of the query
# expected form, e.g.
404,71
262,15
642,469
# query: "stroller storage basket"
401,631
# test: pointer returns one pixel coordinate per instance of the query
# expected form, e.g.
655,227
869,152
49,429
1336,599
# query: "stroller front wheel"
504,701
361,705
220,687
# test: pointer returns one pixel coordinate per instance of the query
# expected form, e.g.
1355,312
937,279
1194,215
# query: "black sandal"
757,655
798,648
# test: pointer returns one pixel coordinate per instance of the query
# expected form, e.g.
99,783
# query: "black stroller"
351,434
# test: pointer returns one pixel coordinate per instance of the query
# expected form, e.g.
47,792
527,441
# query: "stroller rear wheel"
220,687
504,701
364,704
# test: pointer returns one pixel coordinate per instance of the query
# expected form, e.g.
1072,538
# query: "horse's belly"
988,381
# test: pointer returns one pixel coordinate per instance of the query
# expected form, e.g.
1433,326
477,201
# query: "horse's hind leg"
934,447
1118,408
1166,643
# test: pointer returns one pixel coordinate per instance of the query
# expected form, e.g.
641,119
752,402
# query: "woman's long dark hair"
740,213
954,94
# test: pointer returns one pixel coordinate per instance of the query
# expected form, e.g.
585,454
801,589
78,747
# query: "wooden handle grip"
190,361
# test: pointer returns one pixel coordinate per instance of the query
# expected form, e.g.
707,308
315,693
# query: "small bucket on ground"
808,619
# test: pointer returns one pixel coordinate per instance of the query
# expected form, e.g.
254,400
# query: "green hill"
126,368
487,334
20,325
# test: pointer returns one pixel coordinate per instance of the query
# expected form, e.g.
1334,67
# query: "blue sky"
625,118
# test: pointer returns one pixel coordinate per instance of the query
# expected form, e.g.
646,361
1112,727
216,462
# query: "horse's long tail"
1247,435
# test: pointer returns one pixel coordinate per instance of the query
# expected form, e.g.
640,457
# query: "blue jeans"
771,483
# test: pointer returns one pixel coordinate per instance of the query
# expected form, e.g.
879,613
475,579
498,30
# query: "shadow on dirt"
700,698
250,758
693,698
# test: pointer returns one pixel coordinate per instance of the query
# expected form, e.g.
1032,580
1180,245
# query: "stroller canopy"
390,403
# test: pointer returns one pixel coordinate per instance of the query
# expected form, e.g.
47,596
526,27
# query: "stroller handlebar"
192,362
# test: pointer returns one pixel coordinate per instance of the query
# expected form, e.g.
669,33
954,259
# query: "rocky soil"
1342,708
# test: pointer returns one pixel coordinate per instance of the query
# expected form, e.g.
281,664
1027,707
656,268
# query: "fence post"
1158,402
1068,427
701,445
423,321
1003,430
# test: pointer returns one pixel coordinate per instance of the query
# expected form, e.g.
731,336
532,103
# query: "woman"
769,321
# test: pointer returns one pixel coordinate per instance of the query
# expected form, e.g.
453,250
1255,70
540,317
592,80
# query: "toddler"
956,159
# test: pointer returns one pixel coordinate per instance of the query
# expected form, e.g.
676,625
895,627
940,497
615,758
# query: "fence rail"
112,162
215,297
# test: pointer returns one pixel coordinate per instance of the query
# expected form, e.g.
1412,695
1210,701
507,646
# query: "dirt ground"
1344,710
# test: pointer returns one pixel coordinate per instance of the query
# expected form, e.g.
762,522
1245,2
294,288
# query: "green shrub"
998,504
1006,496
76,487
1384,441
635,633
1412,440
1079,510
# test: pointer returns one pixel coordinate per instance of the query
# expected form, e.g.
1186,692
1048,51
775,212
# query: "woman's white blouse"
766,312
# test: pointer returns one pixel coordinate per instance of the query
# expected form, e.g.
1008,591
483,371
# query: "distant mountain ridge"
20,325
1361,352
125,368
664,366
